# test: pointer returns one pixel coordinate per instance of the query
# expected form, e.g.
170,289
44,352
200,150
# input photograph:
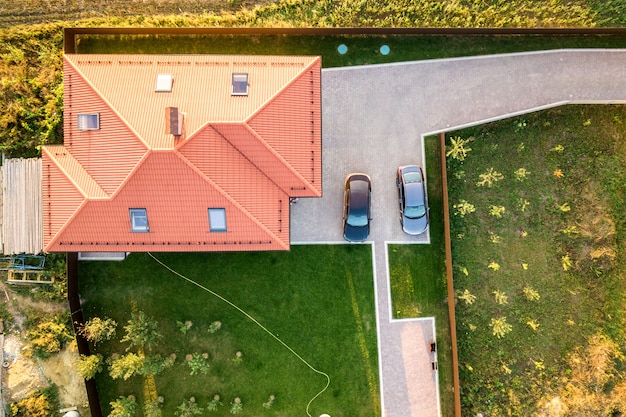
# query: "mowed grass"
558,182
364,49
418,281
318,300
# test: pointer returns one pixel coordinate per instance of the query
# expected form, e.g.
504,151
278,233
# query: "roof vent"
173,121
164,83
240,84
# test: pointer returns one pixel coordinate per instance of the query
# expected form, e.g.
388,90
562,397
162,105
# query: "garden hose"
255,321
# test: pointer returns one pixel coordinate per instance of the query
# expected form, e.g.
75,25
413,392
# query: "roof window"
139,220
240,84
164,83
217,220
89,121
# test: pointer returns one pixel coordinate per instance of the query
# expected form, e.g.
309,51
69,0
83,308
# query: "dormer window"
164,83
89,121
240,84
139,220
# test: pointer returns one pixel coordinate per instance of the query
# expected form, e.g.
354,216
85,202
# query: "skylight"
240,84
88,121
139,220
164,83
217,220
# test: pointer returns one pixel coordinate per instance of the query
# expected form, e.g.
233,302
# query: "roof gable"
177,215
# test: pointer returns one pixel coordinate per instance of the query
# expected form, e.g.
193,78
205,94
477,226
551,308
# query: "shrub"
126,366
89,366
123,407
198,364
49,336
41,403
97,329
141,331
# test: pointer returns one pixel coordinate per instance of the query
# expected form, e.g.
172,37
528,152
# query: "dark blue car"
357,201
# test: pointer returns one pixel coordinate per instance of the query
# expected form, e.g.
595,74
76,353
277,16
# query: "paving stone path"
374,119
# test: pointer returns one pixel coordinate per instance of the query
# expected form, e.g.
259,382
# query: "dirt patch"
22,375
60,369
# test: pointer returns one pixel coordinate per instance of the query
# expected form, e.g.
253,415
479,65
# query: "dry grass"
14,12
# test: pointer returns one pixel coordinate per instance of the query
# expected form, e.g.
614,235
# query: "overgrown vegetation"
41,403
540,311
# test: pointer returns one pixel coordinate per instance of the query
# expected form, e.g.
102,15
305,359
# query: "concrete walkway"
374,119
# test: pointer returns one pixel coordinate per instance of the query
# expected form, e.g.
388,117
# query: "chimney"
173,121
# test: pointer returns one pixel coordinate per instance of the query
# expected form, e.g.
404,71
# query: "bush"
42,403
49,335
97,329
89,366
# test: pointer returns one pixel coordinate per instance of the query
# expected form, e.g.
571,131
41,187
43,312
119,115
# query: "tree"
123,407
126,366
89,366
141,331
98,329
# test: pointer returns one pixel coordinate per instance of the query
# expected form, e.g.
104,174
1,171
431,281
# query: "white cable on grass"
254,321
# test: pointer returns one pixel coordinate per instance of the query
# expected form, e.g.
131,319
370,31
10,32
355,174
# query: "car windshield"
411,177
415,212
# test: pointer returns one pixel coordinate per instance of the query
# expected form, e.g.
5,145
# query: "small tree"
89,366
123,407
126,366
97,329
141,331
155,364
188,408
198,364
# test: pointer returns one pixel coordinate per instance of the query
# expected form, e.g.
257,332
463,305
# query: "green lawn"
418,280
361,49
549,267
318,300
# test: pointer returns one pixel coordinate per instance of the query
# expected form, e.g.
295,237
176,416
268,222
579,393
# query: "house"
182,152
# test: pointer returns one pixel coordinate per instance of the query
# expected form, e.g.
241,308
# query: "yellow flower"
524,233
565,207
524,266
558,173
464,270
494,266
566,262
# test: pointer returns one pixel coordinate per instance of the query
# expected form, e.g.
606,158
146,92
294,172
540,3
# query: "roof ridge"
278,156
229,197
77,165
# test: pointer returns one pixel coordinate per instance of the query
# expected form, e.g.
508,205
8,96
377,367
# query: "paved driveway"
374,118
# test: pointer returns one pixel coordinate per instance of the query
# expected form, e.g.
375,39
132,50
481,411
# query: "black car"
357,201
413,199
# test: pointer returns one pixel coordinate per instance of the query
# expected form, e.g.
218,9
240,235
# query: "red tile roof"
245,154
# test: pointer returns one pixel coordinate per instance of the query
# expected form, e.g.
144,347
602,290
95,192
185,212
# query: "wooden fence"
22,210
